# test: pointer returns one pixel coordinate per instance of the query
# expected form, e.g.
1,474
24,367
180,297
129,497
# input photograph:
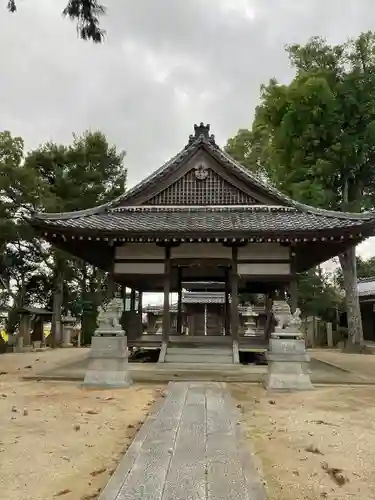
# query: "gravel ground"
315,445
58,440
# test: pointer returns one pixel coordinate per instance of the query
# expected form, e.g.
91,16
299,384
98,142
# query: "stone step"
202,351
192,358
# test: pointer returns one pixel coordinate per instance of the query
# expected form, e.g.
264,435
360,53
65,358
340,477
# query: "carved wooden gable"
202,186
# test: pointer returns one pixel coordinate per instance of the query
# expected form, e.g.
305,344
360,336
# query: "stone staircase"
215,355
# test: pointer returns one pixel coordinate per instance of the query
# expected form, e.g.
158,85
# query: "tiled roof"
197,298
203,297
366,287
216,220
289,217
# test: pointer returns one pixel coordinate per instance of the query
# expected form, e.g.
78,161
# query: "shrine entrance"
205,320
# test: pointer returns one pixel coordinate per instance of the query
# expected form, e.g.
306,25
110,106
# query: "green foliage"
54,178
314,138
317,296
365,269
85,12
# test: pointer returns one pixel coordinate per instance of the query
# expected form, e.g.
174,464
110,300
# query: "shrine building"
203,217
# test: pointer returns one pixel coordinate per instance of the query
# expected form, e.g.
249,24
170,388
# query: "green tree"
318,296
365,269
20,261
87,173
85,12
316,137
53,178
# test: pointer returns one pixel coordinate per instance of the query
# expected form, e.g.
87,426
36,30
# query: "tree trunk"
349,270
58,297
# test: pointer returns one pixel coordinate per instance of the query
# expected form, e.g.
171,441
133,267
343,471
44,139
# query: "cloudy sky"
166,64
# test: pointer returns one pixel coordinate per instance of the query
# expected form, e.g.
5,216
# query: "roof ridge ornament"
202,131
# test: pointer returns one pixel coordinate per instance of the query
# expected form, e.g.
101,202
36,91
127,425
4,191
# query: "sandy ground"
302,438
58,440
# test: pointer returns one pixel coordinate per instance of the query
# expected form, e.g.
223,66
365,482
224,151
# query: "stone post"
288,361
108,358
329,335
24,332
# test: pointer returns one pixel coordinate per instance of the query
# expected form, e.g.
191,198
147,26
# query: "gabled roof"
201,140
281,218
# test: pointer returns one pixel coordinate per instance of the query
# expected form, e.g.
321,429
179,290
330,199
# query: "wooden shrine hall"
204,217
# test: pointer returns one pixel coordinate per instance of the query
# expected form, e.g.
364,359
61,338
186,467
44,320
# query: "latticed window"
201,186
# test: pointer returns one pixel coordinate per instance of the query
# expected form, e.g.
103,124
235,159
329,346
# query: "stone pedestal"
67,336
108,363
288,365
288,361
108,358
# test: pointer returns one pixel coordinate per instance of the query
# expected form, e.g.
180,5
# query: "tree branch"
85,12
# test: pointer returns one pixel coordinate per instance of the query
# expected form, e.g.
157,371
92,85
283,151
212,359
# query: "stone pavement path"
190,448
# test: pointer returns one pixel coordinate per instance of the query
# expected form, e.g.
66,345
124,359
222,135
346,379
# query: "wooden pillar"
293,292
132,300
226,305
167,291
179,302
123,293
268,323
234,295
140,302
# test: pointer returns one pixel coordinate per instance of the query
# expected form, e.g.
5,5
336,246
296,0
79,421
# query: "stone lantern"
249,321
68,323
159,323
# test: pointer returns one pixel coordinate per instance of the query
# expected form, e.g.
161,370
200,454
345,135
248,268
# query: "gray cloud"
165,65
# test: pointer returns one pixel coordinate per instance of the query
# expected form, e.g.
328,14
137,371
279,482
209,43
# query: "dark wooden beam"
123,295
234,295
226,305
140,301
293,292
167,290
132,300
179,302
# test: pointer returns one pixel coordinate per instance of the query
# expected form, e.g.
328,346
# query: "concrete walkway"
360,365
322,372
190,448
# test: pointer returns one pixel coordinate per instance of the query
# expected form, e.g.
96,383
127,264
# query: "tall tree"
316,137
19,193
87,173
53,178
85,12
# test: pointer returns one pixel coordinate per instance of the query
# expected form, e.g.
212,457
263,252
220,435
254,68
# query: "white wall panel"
139,268
262,251
270,268
139,251
201,251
